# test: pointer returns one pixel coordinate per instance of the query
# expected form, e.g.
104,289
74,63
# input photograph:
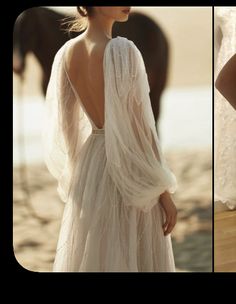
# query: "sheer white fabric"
111,179
225,115
66,127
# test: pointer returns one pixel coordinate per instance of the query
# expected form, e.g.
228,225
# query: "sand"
37,220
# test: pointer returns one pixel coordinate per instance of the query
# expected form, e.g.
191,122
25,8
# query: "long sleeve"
65,126
134,157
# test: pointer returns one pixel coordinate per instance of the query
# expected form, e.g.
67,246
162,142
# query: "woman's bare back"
84,62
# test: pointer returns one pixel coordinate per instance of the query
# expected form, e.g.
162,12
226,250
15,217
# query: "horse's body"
38,30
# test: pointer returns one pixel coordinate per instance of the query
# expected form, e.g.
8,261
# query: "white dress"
225,115
110,179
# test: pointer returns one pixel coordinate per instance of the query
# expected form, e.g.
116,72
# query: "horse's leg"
45,82
158,77
155,97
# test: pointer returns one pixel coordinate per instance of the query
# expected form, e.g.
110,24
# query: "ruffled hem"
231,204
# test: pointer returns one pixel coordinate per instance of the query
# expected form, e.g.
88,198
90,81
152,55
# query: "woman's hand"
170,211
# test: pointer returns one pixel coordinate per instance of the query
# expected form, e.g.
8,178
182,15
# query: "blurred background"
184,124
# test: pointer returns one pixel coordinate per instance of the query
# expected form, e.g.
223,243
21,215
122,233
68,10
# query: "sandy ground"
225,240
37,221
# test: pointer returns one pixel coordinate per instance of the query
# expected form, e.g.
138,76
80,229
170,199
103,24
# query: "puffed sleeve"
134,158
65,126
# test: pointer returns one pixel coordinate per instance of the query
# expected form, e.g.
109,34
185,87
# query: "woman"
101,145
225,115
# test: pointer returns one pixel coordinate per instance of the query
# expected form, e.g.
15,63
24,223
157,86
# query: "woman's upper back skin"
84,63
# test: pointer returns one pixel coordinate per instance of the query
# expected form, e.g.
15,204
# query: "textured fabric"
225,115
109,178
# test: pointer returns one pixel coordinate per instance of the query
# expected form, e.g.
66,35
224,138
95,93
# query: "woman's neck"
99,27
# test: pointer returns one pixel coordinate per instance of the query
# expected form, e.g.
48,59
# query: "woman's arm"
226,81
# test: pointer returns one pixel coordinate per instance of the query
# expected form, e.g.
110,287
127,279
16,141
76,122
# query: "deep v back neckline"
73,88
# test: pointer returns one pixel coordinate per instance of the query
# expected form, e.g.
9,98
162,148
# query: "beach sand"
37,221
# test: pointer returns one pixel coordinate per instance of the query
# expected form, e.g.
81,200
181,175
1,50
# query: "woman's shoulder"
66,51
119,43
68,45
125,48
123,41
127,57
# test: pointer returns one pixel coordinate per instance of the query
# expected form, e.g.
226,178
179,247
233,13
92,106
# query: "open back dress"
110,178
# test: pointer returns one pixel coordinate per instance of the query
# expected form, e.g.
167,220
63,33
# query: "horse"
39,30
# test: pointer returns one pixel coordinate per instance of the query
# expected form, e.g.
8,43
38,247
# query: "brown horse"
39,30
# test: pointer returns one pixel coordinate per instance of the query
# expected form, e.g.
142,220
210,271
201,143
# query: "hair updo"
80,21
85,11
